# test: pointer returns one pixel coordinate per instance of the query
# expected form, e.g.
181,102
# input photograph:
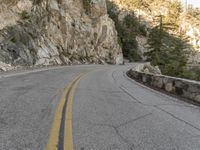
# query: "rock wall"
48,32
185,88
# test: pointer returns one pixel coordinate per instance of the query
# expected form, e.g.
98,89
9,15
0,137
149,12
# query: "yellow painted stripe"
54,135
68,144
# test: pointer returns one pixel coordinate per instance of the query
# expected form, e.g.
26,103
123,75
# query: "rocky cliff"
49,32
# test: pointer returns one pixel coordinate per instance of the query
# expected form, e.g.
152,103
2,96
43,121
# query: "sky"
195,3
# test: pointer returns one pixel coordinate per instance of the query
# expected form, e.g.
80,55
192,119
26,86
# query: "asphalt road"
109,111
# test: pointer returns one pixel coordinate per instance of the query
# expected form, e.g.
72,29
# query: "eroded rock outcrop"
48,32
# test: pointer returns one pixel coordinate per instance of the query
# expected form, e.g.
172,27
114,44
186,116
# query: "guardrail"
185,88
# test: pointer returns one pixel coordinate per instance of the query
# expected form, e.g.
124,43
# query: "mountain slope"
147,14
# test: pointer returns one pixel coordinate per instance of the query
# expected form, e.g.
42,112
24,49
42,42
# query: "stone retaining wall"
185,88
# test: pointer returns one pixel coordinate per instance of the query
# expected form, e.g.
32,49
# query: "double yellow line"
62,123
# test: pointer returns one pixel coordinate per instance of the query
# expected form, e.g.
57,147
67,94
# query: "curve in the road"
110,112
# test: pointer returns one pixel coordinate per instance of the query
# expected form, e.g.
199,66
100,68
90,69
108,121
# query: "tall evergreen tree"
167,51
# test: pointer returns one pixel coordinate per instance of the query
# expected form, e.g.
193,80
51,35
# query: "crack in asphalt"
125,140
47,109
179,105
116,129
172,115
123,89
130,121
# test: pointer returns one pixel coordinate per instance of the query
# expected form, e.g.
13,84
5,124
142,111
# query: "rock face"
48,32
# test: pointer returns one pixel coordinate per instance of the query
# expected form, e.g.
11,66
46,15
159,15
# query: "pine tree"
167,51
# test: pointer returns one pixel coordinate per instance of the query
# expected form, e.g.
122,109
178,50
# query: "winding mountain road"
92,107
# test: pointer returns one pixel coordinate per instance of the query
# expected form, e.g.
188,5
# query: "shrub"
14,40
37,2
87,6
192,73
25,15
